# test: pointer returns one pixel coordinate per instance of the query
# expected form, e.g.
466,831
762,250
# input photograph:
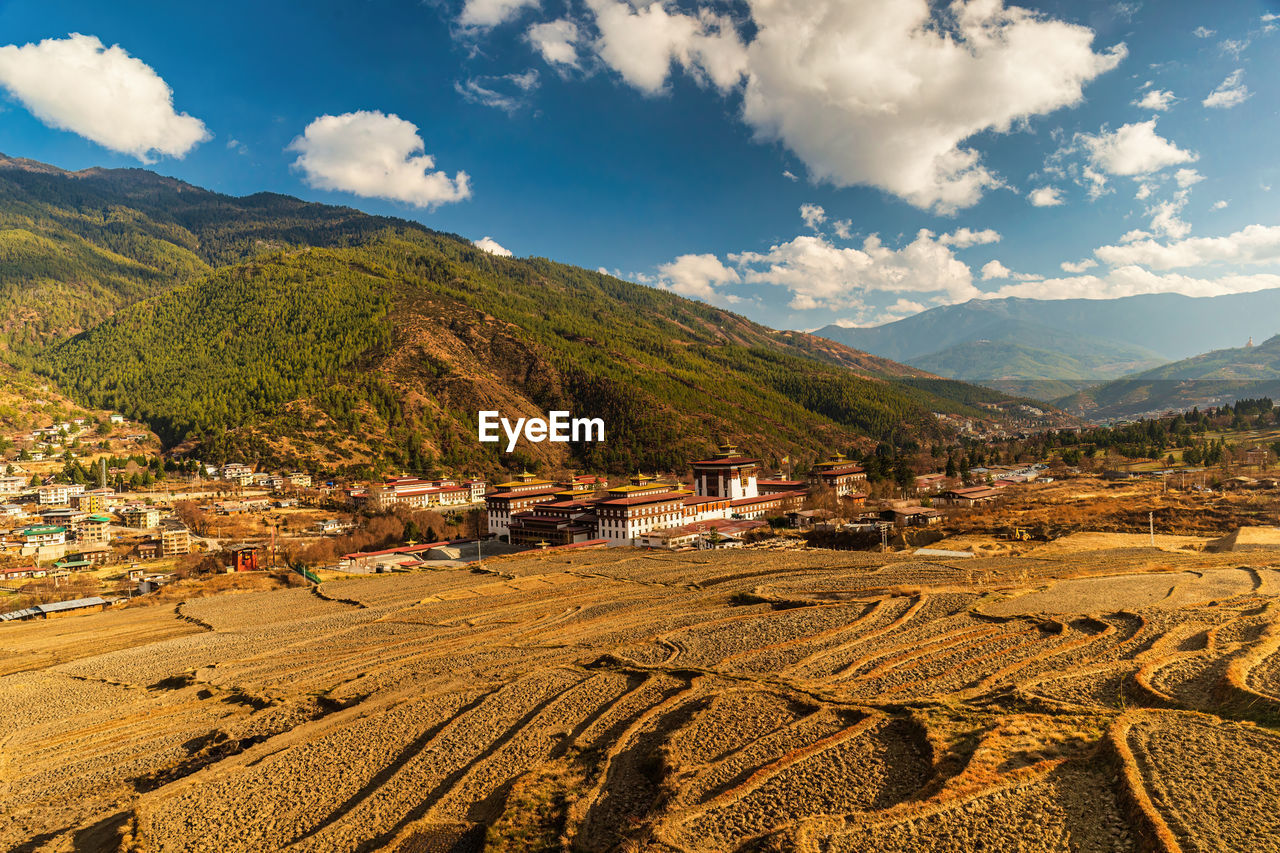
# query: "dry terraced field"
1123,699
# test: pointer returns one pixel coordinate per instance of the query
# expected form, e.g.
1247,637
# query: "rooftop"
74,604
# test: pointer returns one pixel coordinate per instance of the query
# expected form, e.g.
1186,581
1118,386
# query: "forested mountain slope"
314,335
1212,379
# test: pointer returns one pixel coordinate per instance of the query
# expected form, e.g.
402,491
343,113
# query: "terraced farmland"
623,700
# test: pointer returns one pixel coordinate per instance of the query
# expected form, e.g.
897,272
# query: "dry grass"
627,700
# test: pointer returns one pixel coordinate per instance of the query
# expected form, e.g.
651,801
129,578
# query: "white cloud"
1158,100
882,94
1166,217
1145,190
374,155
1078,266
905,307
790,175
1133,281
1203,32
1254,244
641,43
963,238
1187,177
1230,92
843,228
1233,46
100,93
1220,204
493,247
556,41
995,269
1135,234
1133,149
821,275
490,13
1045,197
697,276
506,92
813,215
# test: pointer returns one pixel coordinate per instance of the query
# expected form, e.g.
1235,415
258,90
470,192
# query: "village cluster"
55,529
728,497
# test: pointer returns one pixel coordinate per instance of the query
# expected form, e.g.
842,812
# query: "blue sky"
799,161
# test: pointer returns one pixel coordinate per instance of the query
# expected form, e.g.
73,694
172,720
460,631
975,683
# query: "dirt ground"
1104,696
1078,504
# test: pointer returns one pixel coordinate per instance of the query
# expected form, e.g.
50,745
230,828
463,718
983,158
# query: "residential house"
175,540
140,515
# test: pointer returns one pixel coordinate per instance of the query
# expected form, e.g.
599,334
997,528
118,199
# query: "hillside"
76,246
1076,339
318,336
1014,368
1214,378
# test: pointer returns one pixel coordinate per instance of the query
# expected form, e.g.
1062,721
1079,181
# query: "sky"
801,162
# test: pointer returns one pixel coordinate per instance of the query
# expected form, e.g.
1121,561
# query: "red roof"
406,549
848,469
762,498
531,493
694,500
663,497
730,461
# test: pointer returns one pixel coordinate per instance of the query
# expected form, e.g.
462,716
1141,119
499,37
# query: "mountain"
1073,340
1018,369
76,246
317,336
1214,378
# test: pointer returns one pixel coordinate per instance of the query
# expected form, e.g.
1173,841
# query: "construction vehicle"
1019,534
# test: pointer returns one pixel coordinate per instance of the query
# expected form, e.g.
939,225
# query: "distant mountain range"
1049,349
270,328
1214,378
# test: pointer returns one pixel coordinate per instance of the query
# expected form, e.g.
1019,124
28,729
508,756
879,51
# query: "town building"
970,496
622,520
40,535
64,517
94,529
94,500
478,488
175,539
140,515
420,494
12,485
839,474
58,494
93,604
716,533
299,480
517,495
931,483
555,523
912,516
728,474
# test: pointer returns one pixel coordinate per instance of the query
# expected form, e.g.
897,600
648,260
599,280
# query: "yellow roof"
645,487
